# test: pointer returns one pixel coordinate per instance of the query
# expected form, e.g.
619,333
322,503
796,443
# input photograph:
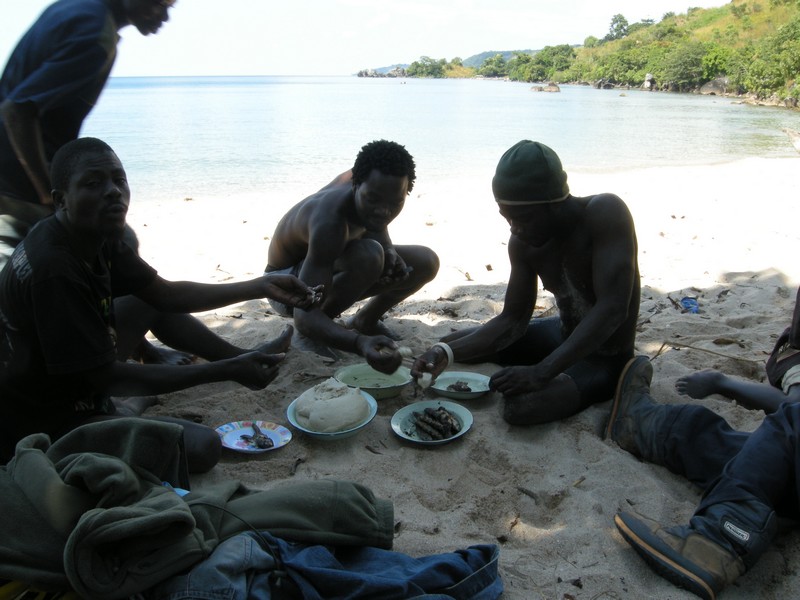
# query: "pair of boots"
720,542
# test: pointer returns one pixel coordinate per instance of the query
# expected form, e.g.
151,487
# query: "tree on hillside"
683,66
494,67
427,67
618,28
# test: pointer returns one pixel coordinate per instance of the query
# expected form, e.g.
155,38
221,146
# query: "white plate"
479,384
403,420
291,414
231,433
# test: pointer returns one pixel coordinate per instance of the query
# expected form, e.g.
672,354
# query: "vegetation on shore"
749,46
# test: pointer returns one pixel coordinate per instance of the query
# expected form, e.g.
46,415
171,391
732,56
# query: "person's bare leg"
180,331
559,400
424,265
752,395
149,354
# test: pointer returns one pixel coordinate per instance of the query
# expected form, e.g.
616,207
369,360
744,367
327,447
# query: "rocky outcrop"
649,83
550,87
716,87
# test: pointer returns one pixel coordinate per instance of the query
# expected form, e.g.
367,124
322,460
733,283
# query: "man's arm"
327,241
189,296
498,332
613,274
513,320
25,134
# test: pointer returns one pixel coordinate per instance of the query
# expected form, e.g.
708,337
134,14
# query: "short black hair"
390,158
63,165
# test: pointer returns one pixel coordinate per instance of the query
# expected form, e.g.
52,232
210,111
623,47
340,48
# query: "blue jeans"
734,465
767,466
259,566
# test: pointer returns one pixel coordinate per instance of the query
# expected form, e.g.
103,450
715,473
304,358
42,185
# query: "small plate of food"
432,422
461,385
253,436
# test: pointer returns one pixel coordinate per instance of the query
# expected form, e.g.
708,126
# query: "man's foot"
148,354
280,344
306,344
700,385
681,555
633,386
377,328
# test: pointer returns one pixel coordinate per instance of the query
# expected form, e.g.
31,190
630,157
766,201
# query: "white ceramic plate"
478,384
403,420
231,433
337,435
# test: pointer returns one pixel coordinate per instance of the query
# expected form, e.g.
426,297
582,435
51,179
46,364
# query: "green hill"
746,47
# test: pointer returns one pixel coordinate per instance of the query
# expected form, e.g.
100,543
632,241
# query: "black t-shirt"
56,323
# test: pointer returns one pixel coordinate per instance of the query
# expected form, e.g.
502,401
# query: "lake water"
220,136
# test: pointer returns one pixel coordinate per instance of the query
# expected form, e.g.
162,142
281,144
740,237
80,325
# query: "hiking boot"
681,555
631,405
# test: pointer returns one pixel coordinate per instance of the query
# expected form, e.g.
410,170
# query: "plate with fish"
431,422
253,437
461,385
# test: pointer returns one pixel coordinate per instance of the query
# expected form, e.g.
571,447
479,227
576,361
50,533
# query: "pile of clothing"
99,512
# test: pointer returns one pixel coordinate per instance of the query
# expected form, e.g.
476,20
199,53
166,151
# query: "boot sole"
623,379
662,559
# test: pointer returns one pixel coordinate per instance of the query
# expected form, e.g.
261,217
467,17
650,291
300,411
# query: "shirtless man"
63,339
338,238
584,251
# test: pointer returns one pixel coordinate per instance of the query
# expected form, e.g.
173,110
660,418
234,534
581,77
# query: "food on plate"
330,407
459,386
258,439
436,424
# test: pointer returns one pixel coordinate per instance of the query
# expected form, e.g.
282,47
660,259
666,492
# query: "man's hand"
431,363
254,370
513,381
381,352
289,290
394,267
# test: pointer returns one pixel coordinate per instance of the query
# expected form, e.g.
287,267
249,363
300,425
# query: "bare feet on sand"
280,344
377,328
700,385
149,354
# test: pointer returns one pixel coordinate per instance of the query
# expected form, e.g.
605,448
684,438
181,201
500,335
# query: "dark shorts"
281,308
595,376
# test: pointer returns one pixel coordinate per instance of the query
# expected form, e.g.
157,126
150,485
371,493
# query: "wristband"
447,350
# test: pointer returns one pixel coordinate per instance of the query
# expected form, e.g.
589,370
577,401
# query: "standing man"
52,80
584,251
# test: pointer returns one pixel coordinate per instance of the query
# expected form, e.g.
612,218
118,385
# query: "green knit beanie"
529,173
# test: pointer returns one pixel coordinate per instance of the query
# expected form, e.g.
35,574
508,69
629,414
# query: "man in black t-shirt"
62,339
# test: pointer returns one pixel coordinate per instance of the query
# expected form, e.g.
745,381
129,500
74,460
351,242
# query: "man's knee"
203,448
427,266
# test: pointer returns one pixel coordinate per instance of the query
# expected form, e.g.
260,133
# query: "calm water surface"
218,136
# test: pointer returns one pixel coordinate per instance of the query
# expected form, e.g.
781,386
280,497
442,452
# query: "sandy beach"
546,495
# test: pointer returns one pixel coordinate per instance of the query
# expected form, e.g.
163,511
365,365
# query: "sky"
341,37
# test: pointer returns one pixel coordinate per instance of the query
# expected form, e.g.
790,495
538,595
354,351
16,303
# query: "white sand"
725,234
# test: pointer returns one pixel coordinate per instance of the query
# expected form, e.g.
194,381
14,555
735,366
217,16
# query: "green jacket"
91,511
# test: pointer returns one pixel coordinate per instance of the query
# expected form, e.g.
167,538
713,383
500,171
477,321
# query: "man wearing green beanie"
584,251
